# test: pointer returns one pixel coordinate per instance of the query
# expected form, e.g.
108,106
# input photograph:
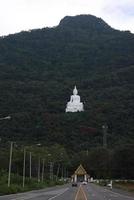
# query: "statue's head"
75,91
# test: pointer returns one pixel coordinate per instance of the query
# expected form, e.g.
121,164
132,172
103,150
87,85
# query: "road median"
80,195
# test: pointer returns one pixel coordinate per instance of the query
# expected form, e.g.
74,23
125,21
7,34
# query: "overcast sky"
18,15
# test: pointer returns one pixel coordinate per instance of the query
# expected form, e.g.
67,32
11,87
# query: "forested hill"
39,68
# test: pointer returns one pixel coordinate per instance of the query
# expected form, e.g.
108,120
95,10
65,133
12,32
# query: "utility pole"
11,152
51,171
62,172
24,167
43,165
30,165
38,169
58,170
10,164
65,173
105,128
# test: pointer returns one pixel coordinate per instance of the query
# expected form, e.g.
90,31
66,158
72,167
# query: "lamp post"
43,165
51,171
30,165
58,170
4,118
11,152
10,164
7,117
24,167
38,165
38,169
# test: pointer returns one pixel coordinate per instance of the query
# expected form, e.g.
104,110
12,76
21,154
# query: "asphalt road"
94,192
67,192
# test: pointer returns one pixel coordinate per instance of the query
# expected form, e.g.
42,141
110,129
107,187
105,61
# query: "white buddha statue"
74,105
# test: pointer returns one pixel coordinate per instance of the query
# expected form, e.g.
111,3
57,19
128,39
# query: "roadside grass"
30,184
125,185
102,182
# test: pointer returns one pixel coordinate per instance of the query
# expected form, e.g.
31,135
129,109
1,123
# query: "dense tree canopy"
39,69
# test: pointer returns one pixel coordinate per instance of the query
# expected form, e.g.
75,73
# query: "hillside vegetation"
39,69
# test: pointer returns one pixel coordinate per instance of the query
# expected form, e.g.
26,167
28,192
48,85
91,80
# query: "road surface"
67,192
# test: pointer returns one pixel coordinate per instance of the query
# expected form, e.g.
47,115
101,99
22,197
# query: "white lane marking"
118,194
59,194
114,195
31,196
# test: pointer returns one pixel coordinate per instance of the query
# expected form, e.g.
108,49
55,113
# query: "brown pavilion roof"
80,170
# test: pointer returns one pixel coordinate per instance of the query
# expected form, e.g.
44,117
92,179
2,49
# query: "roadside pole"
30,165
10,164
24,167
111,184
43,165
62,172
58,170
38,169
51,171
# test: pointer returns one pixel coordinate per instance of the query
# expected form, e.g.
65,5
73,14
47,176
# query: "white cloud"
120,14
17,15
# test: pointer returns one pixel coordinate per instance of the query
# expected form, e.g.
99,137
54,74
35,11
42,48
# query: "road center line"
84,193
80,189
77,193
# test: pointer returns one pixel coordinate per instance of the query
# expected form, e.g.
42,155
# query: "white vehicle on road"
84,183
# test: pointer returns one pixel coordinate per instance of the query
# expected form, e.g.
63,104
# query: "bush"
4,189
16,184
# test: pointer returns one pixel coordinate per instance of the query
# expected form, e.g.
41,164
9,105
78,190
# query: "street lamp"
24,167
10,164
7,117
12,144
3,118
11,151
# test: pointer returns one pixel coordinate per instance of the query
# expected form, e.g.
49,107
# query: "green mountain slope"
39,69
